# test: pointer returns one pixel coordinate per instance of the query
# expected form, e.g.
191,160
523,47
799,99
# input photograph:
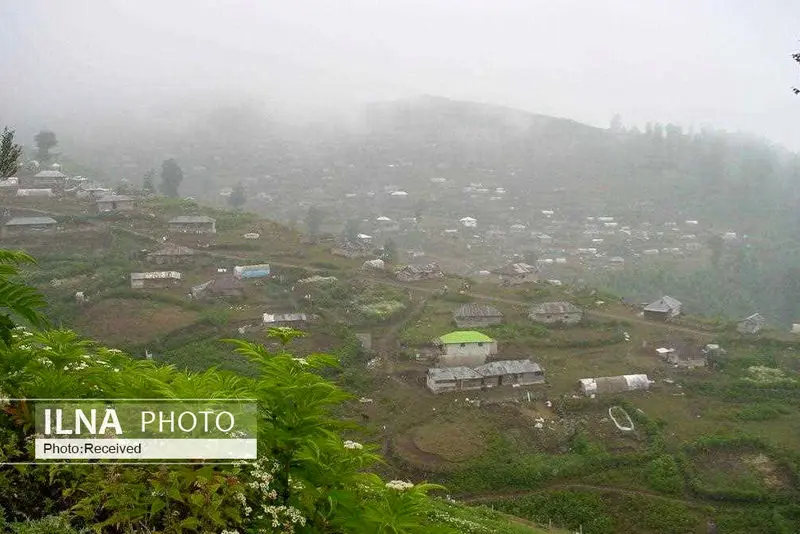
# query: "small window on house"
463,345
549,316
480,344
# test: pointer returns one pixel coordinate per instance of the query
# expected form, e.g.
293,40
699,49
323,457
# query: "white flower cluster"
76,366
285,516
463,525
302,361
3,399
236,434
229,532
353,445
399,485
296,485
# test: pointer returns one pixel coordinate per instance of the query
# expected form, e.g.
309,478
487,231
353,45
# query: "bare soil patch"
132,321
741,469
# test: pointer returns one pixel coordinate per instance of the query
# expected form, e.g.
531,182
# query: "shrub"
664,474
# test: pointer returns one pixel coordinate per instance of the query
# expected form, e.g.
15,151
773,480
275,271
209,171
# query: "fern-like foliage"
17,301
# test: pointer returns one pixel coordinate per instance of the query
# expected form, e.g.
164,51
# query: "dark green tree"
45,142
313,220
10,154
171,178
238,197
390,250
715,244
148,182
352,229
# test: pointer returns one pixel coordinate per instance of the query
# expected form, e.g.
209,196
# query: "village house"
261,270
35,193
352,249
155,280
614,384
48,179
752,324
193,224
474,314
412,273
114,203
9,186
510,373
224,286
441,380
284,318
556,312
682,353
464,347
171,255
517,273
29,225
664,308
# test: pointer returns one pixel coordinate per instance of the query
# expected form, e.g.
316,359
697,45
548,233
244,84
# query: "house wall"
458,360
153,284
29,230
529,378
657,316
439,387
193,228
466,322
491,381
564,318
115,206
470,384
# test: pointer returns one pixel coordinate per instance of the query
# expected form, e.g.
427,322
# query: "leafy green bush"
48,525
570,509
761,412
664,474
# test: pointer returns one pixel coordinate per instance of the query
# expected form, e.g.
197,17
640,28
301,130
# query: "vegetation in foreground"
307,478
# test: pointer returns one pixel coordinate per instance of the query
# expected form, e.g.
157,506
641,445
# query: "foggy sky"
723,63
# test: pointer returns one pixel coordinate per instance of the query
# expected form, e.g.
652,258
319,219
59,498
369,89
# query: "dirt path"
486,497
384,345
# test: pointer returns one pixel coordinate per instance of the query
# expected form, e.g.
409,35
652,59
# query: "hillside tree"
313,220
10,154
171,178
238,197
148,182
390,250
45,142
351,229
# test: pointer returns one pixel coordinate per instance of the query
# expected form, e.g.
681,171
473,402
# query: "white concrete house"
464,348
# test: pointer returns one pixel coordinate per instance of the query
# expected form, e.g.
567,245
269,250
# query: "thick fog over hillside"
679,62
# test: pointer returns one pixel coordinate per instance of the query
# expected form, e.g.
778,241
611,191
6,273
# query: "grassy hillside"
718,443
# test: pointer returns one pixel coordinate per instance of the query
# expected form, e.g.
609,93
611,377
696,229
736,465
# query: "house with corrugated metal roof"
517,273
556,312
474,314
29,225
752,324
284,318
613,384
155,280
440,380
224,286
114,203
261,270
193,224
464,347
171,254
662,309
510,373
412,273
47,179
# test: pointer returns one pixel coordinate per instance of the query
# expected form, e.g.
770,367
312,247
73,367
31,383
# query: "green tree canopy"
171,178
238,197
10,154
148,181
45,142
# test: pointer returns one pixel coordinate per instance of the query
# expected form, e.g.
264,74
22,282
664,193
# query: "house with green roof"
464,348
